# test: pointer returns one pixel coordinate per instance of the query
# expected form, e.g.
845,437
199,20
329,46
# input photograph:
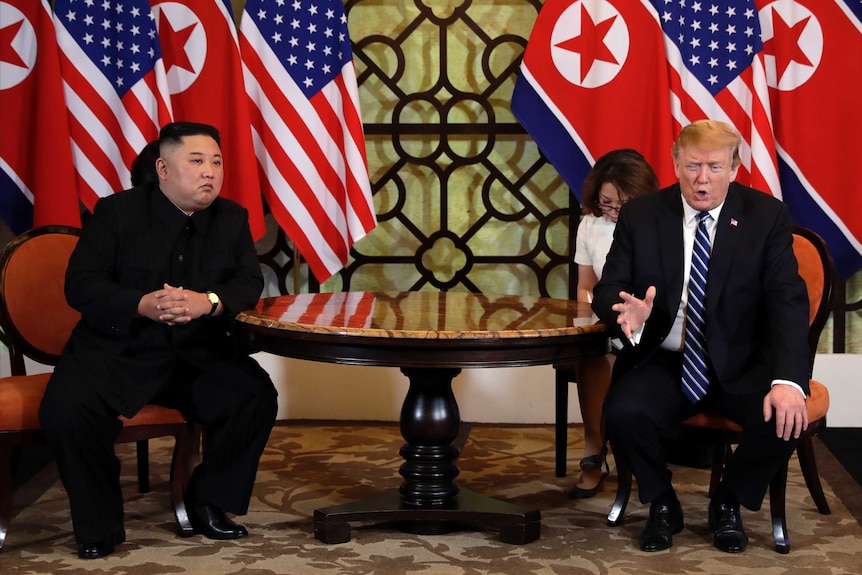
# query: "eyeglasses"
608,207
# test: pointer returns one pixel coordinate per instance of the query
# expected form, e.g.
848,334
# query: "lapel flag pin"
733,222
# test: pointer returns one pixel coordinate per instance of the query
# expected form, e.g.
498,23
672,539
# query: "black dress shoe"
665,521
101,548
726,524
212,523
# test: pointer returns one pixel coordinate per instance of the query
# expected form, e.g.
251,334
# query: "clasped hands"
783,401
173,305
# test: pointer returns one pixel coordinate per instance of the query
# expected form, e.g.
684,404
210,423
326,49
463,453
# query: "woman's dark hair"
144,166
626,169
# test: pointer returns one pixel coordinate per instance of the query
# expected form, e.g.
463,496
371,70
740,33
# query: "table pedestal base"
517,525
429,502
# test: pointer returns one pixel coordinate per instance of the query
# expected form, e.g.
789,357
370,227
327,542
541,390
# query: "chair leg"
624,489
805,452
143,450
562,421
5,491
777,496
185,455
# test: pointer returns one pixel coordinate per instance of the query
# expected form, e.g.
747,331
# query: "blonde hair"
709,134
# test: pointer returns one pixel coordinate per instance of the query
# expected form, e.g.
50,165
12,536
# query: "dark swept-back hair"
174,132
626,169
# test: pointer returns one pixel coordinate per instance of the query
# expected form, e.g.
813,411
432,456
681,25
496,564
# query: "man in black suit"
158,275
752,327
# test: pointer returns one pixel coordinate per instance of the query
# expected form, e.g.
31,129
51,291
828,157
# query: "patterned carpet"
309,465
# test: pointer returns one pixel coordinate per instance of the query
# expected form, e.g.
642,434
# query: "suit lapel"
669,227
727,236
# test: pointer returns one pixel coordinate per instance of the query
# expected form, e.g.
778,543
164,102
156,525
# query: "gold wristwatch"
213,300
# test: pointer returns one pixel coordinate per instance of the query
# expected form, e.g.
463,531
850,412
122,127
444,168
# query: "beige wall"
311,390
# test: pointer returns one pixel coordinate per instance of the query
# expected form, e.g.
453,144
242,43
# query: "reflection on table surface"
421,314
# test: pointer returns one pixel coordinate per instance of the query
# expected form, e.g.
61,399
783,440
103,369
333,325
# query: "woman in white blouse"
616,177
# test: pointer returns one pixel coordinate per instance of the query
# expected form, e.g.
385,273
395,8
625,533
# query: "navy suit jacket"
756,302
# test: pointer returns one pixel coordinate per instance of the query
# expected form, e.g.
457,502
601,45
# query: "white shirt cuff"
637,334
790,383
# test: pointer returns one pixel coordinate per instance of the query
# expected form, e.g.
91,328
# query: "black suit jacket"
756,303
125,251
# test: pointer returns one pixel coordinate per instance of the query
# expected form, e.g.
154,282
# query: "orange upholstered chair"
816,268
36,323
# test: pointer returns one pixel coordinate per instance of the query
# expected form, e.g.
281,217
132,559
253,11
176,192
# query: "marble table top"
424,315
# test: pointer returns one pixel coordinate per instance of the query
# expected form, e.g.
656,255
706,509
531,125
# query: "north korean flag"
200,50
814,70
37,177
593,79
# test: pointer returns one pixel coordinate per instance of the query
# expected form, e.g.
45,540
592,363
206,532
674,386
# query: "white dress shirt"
675,339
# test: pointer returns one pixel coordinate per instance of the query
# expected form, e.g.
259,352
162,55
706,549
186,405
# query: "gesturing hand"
633,312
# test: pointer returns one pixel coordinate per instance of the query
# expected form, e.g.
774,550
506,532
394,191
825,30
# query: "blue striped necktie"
694,371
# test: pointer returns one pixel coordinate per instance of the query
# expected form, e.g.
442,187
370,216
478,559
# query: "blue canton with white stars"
118,36
309,36
717,40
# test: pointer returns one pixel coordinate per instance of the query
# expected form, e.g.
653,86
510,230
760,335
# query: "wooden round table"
430,336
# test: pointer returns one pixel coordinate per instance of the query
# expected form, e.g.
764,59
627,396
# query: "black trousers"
645,401
234,400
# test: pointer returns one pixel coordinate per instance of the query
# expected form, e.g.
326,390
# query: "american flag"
115,88
716,68
306,126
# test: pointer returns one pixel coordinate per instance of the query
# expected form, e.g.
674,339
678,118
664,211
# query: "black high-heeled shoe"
581,493
590,463
595,461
